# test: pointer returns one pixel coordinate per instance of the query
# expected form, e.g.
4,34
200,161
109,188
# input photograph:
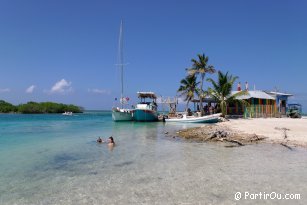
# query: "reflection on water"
66,166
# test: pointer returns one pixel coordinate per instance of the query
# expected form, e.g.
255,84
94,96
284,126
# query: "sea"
54,159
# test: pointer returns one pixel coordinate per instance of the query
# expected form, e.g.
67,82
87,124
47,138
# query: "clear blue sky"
42,42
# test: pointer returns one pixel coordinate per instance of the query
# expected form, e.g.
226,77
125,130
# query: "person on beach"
206,109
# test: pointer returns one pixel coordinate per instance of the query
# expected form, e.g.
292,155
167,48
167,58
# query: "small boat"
191,119
294,110
122,114
146,111
67,113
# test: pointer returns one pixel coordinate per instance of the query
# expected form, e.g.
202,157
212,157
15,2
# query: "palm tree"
221,91
201,67
188,88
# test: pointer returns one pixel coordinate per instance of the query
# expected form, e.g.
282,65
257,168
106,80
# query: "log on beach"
283,144
235,141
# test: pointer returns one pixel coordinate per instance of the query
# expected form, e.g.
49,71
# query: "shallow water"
54,159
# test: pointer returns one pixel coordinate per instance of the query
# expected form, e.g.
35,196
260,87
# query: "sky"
66,50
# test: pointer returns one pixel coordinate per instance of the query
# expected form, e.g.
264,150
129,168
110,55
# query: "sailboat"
120,113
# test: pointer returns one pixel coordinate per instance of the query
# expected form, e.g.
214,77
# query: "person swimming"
99,140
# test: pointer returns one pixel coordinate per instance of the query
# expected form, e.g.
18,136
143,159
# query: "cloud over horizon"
30,89
5,90
99,91
61,86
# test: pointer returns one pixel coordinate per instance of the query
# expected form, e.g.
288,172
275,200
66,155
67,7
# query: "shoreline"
287,132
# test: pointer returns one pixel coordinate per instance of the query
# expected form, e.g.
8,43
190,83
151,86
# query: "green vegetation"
6,107
188,88
38,108
221,88
199,68
221,91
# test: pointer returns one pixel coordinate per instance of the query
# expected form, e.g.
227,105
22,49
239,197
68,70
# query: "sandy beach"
273,129
287,131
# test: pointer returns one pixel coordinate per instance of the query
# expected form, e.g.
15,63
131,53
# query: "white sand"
271,128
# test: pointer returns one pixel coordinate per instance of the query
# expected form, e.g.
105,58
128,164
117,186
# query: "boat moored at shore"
191,119
146,111
122,114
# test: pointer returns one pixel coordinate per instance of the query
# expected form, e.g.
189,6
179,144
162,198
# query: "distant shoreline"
39,108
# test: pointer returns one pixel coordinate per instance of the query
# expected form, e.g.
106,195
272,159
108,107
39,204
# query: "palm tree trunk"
224,108
201,95
187,106
226,105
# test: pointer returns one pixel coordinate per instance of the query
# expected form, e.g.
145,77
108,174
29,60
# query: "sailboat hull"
122,115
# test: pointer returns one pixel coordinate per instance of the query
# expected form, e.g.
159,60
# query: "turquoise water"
54,159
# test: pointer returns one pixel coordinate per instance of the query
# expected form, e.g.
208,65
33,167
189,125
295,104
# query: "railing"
263,111
254,111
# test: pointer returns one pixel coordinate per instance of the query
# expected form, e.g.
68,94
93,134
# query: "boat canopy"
147,95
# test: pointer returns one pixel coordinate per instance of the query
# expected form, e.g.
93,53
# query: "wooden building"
281,101
255,104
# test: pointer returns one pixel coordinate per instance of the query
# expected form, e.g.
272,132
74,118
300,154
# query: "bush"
36,108
6,107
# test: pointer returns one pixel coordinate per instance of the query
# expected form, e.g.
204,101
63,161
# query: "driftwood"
234,141
283,144
231,146
284,129
212,137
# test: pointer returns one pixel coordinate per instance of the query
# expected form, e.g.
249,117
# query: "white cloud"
61,86
181,100
5,90
30,89
99,91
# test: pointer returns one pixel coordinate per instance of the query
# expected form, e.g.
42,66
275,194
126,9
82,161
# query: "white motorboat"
146,111
67,113
191,119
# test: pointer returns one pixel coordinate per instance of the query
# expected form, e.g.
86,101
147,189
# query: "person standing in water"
111,143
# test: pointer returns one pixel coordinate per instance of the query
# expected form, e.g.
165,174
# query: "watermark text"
266,196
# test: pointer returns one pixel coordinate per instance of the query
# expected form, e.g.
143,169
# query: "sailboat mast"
121,62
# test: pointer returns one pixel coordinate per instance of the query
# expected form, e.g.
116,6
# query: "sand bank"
292,132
